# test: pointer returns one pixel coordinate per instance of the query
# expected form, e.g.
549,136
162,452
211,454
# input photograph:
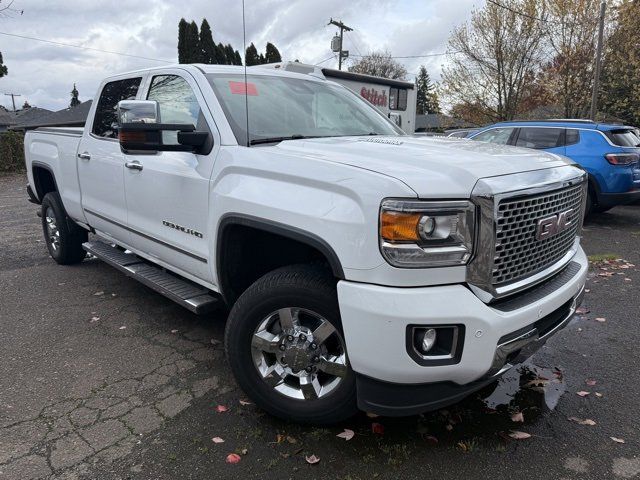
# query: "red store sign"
378,98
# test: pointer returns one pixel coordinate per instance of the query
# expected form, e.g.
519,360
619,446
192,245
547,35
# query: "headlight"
416,234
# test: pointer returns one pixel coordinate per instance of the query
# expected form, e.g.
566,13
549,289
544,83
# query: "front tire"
285,344
64,238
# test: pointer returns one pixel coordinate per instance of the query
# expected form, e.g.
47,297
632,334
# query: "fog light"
429,340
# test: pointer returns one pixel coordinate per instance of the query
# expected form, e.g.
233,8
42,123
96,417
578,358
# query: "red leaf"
347,434
217,440
221,408
233,458
582,393
591,383
377,428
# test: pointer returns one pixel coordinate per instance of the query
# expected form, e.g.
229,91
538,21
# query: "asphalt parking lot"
102,378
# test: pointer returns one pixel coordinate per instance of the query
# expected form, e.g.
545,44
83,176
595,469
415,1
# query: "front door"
168,192
101,163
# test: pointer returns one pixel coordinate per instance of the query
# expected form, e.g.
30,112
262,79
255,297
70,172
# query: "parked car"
609,153
362,267
460,132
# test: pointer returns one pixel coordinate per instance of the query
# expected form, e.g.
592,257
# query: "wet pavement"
102,378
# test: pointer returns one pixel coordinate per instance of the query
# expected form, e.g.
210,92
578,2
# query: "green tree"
182,41
230,54
237,58
427,98
272,55
194,51
251,56
75,101
207,45
620,93
3,68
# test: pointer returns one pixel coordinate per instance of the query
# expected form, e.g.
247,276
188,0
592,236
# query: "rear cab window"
105,120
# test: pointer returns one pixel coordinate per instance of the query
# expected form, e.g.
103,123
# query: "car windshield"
624,137
282,108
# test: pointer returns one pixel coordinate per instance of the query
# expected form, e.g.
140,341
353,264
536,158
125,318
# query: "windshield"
284,107
623,137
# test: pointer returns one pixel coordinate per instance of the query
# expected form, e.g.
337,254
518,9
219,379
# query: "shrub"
11,152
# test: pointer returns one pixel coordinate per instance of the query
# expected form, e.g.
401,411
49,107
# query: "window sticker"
241,88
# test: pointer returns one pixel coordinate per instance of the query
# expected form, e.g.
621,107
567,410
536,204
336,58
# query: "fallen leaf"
582,311
279,438
97,294
586,290
174,331
627,279
217,440
347,434
312,459
591,383
516,435
377,428
372,415
582,393
598,394
617,440
580,421
221,408
244,451
291,440
431,439
462,446
601,319
244,402
517,417
95,319
122,327
233,458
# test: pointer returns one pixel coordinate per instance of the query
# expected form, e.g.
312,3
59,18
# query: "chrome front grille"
518,254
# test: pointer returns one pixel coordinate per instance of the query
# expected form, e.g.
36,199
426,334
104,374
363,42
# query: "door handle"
133,165
84,156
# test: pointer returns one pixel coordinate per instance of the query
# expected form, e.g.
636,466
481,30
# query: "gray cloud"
44,74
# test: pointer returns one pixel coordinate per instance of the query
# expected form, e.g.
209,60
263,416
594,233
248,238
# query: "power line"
325,60
416,56
61,44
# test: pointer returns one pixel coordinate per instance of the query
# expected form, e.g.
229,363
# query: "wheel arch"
294,246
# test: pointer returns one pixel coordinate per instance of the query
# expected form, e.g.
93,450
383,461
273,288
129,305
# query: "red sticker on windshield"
241,88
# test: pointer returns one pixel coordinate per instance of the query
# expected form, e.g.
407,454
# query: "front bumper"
391,382
613,199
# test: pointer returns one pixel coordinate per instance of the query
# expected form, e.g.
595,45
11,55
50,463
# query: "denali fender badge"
550,226
182,229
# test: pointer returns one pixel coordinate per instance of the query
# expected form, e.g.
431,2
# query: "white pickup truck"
363,268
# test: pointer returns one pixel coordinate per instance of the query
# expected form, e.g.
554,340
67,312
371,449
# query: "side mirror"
139,130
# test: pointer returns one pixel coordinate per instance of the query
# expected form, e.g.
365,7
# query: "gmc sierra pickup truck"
363,268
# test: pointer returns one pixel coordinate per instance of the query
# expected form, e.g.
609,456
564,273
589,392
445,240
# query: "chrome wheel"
299,353
53,233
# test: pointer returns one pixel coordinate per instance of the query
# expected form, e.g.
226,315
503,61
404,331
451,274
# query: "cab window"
106,117
495,135
177,104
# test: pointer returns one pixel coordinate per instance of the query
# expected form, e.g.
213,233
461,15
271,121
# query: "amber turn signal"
399,227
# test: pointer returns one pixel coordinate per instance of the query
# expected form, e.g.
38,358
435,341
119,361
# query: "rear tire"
308,294
63,237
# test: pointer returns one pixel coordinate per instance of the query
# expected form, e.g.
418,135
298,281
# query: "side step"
191,296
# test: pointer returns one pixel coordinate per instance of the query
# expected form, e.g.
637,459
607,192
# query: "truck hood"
433,167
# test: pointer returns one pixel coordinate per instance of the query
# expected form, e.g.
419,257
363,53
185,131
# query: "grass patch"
603,257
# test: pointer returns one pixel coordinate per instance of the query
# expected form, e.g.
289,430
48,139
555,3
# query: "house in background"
27,115
68,117
439,122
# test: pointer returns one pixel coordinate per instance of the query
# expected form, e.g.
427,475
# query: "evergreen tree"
3,68
182,41
207,45
194,52
221,54
272,55
251,56
75,101
427,98
261,60
229,53
237,59
25,105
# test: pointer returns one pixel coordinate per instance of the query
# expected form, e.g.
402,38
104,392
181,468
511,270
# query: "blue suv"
609,153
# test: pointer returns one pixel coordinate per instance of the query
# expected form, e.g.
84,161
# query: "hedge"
11,152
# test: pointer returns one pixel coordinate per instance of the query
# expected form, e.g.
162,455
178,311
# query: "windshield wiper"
258,141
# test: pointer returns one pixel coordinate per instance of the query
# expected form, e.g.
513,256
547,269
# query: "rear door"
549,139
168,192
101,164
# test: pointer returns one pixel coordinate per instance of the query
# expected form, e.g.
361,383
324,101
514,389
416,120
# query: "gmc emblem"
550,226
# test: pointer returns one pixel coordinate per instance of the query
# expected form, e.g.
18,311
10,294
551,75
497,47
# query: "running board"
191,296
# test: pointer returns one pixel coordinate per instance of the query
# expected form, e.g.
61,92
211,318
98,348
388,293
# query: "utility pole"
13,99
338,47
596,80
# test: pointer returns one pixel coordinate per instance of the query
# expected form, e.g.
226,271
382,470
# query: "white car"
363,268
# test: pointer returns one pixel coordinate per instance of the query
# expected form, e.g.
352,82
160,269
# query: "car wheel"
286,347
64,238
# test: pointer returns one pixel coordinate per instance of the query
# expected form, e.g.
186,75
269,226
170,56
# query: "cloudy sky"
44,73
